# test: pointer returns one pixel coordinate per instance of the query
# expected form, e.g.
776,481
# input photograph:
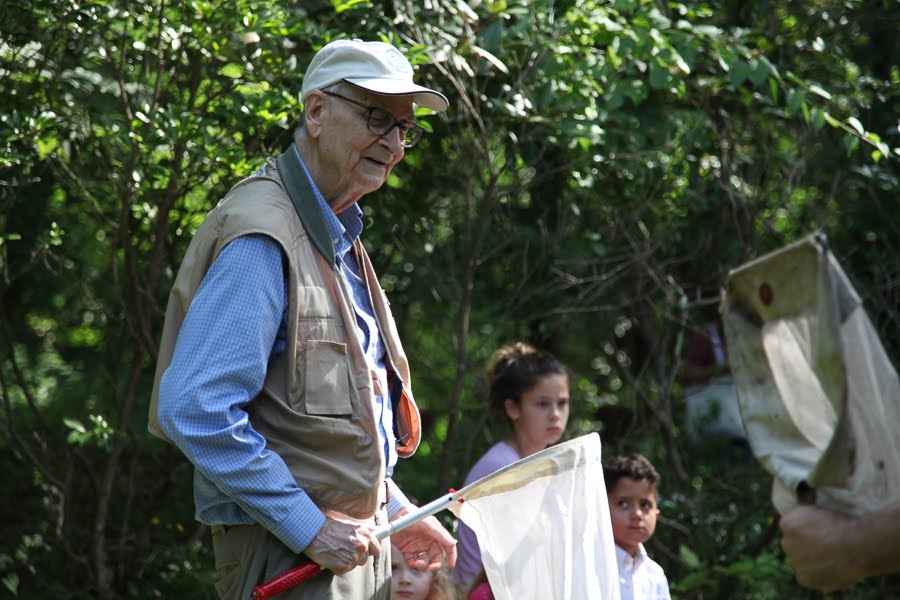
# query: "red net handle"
286,581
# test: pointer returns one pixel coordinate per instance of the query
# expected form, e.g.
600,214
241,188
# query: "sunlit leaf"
815,89
232,70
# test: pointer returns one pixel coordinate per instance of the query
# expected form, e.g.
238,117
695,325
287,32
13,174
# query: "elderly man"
281,376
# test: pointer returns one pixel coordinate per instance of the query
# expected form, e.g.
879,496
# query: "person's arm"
218,368
397,500
829,551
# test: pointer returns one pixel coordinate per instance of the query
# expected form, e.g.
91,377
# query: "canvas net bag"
544,527
817,392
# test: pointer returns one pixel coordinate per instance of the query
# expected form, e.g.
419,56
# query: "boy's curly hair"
635,466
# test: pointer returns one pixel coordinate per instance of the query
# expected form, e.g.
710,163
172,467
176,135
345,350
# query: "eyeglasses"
381,121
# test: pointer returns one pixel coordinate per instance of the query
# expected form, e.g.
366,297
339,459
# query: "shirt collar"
625,559
344,228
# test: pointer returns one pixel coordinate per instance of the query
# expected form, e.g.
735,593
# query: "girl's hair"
513,370
441,588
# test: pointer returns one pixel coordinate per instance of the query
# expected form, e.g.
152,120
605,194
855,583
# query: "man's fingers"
374,545
341,546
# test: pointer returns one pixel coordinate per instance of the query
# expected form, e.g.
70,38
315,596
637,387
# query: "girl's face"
408,583
632,506
540,418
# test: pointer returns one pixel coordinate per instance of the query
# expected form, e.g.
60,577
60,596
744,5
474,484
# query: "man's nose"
394,139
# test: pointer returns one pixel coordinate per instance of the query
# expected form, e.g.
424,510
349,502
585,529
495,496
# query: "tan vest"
316,408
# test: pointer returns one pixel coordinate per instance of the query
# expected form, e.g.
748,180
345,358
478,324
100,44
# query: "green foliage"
602,166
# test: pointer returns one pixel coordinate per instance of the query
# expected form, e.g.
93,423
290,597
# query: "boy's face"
633,511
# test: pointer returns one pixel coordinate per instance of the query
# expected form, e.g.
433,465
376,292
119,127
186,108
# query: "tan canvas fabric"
818,395
316,406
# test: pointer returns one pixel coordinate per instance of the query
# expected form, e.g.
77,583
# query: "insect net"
543,525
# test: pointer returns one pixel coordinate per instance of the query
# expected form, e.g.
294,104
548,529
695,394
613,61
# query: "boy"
631,488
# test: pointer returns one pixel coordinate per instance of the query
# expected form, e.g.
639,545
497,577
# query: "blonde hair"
441,588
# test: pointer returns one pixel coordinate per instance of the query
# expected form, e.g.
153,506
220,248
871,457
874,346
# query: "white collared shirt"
640,577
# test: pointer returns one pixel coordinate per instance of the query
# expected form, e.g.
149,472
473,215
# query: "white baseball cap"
375,66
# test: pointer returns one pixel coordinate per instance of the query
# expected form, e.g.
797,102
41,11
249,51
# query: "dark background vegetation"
603,166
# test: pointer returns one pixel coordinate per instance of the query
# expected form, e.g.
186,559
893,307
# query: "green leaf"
795,100
46,147
659,76
738,72
615,97
773,88
818,118
74,425
771,67
689,557
254,88
758,72
344,5
497,6
681,63
819,91
709,31
855,124
232,71
491,59
11,582
831,120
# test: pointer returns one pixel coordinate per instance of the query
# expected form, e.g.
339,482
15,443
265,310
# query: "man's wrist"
397,501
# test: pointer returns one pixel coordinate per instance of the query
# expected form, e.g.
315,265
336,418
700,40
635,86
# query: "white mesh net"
543,525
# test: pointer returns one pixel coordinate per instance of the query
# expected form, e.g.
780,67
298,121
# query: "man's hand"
342,544
817,544
425,543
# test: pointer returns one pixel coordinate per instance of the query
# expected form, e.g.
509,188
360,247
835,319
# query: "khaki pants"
248,555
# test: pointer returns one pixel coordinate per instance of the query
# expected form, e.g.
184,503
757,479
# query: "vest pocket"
327,379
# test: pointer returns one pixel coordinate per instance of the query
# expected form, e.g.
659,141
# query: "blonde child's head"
408,583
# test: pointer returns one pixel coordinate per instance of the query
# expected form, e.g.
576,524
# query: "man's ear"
313,112
511,408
